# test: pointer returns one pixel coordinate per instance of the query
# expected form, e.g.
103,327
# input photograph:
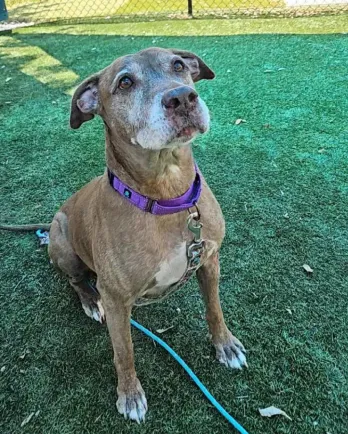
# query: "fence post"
3,11
189,7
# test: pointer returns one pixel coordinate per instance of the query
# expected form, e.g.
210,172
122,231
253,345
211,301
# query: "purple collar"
163,206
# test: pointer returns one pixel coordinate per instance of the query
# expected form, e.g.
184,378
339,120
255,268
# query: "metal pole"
189,7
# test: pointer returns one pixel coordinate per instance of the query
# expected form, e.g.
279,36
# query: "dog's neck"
163,174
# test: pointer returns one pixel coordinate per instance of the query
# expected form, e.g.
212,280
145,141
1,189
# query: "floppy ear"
84,102
199,70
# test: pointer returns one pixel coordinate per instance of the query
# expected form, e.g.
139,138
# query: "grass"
281,179
51,10
241,26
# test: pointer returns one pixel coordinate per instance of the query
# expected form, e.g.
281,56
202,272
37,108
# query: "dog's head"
148,98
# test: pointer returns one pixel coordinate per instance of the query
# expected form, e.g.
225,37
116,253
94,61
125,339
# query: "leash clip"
194,225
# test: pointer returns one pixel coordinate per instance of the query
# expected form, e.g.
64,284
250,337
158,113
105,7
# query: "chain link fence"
64,11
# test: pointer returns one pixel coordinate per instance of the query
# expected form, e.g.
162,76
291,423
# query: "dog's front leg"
131,397
229,350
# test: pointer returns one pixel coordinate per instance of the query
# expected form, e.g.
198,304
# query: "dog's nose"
180,96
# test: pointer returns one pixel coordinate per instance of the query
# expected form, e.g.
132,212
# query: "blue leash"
193,376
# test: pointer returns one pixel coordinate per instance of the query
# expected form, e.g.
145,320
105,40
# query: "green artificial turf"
281,179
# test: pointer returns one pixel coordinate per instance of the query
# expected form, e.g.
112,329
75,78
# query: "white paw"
133,406
231,353
95,311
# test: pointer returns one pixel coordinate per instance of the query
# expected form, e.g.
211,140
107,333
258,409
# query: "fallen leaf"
27,419
281,69
37,413
273,411
267,126
8,79
289,310
321,150
240,121
3,369
307,268
23,356
268,70
164,330
178,309
22,371
286,215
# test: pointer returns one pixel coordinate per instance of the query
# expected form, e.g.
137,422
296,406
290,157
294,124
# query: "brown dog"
151,114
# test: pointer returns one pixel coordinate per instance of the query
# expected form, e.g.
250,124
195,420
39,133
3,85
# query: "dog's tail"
35,227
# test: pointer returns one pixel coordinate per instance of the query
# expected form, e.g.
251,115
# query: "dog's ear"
199,70
84,102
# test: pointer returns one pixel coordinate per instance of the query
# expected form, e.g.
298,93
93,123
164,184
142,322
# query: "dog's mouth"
188,126
187,132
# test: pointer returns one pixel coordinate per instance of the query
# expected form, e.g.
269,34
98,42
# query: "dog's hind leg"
89,297
65,259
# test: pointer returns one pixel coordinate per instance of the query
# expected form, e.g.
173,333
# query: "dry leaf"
273,411
37,413
178,309
240,121
8,79
22,371
321,150
27,419
164,330
289,310
22,357
3,369
307,268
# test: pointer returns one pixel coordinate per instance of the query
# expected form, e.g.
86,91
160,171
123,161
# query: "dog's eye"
178,66
125,83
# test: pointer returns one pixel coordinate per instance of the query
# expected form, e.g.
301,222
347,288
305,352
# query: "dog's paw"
231,353
133,405
94,311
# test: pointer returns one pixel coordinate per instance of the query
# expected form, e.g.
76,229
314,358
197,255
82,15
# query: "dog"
150,221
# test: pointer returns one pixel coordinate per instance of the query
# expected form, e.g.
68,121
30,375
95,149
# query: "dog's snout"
180,96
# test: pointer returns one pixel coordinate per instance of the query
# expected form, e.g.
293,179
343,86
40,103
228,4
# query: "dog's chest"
172,272
169,272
